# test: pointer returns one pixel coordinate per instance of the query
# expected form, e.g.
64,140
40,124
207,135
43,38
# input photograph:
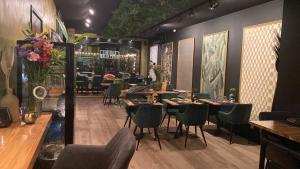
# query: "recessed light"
88,20
174,30
87,24
91,11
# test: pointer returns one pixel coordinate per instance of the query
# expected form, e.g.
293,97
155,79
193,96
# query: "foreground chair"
170,110
239,115
115,155
147,116
193,115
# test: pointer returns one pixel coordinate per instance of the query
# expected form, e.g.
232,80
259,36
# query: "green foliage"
232,90
79,37
133,16
62,28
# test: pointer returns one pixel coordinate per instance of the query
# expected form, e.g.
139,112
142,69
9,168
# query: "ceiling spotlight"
174,30
91,11
213,4
88,20
87,25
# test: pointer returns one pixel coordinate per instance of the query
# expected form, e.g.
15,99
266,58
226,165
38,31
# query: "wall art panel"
154,54
213,67
258,76
166,55
185,64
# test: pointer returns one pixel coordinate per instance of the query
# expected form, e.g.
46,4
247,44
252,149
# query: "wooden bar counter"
20,145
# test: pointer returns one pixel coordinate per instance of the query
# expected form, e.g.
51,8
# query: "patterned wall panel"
185,64
166,55
258,73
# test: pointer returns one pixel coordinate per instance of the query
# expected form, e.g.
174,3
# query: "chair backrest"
148,116
202,96
115,90
120,149
169,95
275,115
240,113
196,114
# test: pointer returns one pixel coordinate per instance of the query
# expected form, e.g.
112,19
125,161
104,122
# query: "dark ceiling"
199,13
74,13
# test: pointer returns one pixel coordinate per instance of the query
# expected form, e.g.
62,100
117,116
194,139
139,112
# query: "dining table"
281,129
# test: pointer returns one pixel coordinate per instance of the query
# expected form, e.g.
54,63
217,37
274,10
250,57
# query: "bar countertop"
20,145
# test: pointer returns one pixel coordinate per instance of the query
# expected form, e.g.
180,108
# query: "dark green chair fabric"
147,116
170,110
130,110
193,115
96,84
202,96
239,115
113,92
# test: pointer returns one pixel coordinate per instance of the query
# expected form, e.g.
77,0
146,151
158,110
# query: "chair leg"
208,120
231,129
186,135
169,117
149,131
126,120
196,131
163,119
203,136
177,129
156,135
139,138
134,129
129,122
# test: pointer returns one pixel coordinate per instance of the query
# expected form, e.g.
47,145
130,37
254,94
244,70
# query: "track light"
213,4
91,11
174,30
88,20
87,24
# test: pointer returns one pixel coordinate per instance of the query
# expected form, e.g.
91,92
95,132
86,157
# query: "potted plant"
232,94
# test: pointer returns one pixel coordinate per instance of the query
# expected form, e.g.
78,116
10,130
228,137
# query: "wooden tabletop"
281,128
208,101
149,92
130,103
20,145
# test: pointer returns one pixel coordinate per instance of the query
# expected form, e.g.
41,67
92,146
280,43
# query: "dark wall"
287,95
234,23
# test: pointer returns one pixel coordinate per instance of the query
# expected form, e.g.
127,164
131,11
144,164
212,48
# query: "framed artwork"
185,64
36,21
213,67
166,55
258,77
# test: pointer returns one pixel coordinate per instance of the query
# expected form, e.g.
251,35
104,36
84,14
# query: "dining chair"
147,116
115,155
204,96
131,109
238,115
82,83
169,110
113,92
193,115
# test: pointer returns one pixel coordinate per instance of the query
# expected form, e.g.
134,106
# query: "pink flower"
32,56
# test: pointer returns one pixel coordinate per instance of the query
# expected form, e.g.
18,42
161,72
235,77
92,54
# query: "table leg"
262,155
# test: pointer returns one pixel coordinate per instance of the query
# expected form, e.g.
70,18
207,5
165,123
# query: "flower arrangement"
109,76
37,54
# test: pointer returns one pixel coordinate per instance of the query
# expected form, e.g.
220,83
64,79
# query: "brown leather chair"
115,155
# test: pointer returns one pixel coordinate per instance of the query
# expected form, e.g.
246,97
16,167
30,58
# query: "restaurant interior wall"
15,17
234,23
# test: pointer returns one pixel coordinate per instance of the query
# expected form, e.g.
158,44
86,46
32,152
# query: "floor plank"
96,125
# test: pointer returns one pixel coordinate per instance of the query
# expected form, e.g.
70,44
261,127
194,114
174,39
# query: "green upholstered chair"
113,92
170,110
238,115
193,115
147,116
130,110
202,96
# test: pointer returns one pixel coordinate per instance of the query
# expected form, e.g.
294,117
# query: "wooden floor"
96,124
